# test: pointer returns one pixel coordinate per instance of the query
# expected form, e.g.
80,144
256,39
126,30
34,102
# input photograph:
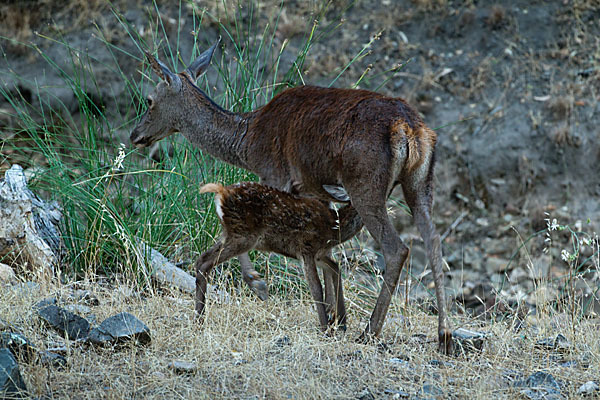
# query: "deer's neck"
216,131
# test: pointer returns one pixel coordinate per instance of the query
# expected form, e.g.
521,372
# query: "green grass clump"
114,197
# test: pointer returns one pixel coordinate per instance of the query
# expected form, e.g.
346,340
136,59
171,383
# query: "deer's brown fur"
309,139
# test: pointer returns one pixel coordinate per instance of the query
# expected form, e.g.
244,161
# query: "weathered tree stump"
28,226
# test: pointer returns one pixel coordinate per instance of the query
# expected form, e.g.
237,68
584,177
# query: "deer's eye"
149,102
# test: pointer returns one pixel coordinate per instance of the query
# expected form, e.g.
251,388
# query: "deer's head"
165,101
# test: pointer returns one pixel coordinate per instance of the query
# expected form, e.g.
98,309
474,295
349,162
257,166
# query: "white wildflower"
565,255
554,225
118,163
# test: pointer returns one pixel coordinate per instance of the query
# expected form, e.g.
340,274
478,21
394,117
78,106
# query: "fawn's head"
166,100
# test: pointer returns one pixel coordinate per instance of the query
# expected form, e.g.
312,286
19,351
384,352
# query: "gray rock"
11,381
397,394
19,345
52,359
78,308
430,391
365,395
183,367
588,389
441,364
120,328
540,386
467,341
559,343
400,362
283,341
71,325
28,288
50,301
85,297
497,264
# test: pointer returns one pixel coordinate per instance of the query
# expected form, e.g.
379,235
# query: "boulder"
120,328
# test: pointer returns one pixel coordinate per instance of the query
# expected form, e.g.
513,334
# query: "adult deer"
332,144
256,216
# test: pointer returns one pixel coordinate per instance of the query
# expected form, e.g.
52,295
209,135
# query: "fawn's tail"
221,192
213,188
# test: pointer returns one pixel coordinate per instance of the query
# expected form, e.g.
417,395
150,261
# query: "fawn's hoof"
445,342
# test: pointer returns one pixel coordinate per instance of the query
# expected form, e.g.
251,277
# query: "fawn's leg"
316,290
328,287
253,278
226,248
333,274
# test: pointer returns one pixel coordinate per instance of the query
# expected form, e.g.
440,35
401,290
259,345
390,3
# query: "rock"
540,386
28,288
559,343
467,341
7,275
19,345
365,395
539,266
71,325
283,341
28,226
52,359
588,389
11,382
78,308
120,328
50,301
397,394
497,264
84,297
430,391
399,361
441,364
183,367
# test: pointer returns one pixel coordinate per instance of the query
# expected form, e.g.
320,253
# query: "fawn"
255,216
327,143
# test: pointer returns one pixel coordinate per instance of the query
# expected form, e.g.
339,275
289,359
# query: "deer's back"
318,132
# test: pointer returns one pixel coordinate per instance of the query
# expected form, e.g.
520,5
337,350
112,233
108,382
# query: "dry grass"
273,350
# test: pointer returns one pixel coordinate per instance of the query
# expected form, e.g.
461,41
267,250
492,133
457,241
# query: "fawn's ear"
163,71
198,66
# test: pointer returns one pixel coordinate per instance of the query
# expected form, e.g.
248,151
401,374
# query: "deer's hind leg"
226,248
369,200
418,193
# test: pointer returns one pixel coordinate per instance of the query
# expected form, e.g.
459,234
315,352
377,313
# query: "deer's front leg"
253,278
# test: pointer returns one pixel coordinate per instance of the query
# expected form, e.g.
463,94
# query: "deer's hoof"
446,343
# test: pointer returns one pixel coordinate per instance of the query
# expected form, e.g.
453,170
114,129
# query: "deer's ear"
163,71
198,66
